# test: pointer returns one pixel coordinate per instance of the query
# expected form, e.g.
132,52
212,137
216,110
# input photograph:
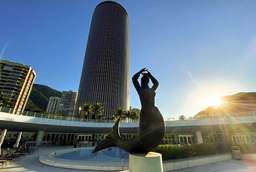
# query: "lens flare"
214,101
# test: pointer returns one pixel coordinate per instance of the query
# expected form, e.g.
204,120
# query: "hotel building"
16,81
105,74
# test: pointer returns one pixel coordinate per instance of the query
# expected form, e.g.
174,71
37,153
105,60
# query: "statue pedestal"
151,162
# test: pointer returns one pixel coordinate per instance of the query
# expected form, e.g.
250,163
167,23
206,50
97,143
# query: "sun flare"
214,101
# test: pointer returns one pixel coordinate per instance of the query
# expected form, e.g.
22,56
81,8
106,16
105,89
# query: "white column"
39,137
67,138
187,140
16,145
151,162
3,134
199,137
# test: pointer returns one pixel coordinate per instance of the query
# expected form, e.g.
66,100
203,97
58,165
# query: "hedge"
184,151
247,148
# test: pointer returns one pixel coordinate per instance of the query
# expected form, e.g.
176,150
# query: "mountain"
39,97
240,104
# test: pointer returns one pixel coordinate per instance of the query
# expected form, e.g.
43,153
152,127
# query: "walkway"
30,163
226,166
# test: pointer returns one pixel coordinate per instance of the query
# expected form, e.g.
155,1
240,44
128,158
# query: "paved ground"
226,166
30,163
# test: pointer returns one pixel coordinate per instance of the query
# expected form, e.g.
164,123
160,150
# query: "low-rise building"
53,106
68,103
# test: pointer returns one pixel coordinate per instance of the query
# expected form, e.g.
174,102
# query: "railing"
73,118
58,116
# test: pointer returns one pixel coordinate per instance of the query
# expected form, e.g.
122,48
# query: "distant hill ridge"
248,97
39,97
239,104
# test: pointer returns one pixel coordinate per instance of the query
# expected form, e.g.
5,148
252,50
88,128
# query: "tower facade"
106,65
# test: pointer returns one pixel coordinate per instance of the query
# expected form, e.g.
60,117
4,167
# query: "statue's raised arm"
135,79
154,81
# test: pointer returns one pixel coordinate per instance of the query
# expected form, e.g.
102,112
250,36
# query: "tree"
182,117
97,110
133,114
85,111
119,114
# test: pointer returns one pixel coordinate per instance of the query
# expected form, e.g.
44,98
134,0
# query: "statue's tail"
111,138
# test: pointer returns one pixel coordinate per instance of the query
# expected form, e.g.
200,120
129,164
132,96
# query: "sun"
214,101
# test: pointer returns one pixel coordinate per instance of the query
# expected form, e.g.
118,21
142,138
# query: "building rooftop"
114,3
14,63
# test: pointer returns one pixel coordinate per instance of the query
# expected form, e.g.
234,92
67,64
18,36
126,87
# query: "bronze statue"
151,124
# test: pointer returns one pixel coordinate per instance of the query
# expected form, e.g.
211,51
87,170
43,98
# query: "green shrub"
184,151
248,148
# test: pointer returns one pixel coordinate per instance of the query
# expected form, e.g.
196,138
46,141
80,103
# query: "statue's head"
144,80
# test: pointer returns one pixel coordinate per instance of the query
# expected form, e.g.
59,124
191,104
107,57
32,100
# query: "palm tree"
119,114
96,114
181,117
97,110
85,111
134,114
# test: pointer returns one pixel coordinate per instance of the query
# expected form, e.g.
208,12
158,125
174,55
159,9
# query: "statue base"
151,162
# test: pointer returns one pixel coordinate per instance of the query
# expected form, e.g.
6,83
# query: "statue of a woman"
151,124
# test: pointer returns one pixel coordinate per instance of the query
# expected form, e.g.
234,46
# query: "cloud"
187,71
3,50
194,81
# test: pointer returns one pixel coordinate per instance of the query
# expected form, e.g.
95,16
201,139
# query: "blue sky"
196,48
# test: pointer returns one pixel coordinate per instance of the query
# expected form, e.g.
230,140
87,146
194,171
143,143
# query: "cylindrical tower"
106,66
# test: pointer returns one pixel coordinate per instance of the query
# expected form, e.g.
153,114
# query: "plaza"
182,115
181,132
30,163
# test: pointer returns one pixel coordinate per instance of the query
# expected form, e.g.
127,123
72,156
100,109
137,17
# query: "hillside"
239,104
39,97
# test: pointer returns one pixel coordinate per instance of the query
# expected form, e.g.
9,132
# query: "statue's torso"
151,121
147,98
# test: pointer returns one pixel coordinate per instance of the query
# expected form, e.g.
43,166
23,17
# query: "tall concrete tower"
105,74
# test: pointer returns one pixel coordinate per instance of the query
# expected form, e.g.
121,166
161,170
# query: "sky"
197,49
